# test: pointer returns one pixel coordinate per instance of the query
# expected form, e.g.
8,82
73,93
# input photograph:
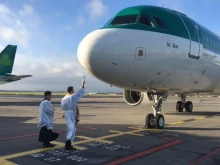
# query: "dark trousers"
47,136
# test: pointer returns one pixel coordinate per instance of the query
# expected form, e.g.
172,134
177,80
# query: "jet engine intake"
136,98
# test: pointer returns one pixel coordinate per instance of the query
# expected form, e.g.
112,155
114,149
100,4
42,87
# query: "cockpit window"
126,19
145,19
160,23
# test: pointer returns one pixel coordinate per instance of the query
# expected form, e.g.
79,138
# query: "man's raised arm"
80,93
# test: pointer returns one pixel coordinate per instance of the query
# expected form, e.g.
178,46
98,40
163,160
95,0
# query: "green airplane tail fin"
7,57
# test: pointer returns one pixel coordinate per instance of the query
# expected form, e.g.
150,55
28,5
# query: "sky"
47,33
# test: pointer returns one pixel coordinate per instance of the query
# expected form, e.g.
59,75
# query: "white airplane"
151,51
93,93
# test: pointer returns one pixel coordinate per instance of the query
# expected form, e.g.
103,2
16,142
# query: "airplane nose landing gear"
155,120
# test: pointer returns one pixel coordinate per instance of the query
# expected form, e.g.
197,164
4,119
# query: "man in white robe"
69,104
46,118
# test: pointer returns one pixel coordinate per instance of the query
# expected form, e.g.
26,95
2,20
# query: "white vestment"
46,116
68,104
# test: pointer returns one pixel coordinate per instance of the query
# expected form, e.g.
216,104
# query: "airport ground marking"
129,133
87,139
146,152
4,159
191,120
25,136
205,157
5,162
175,123
36,134
59,145
138,129
200,118
94,139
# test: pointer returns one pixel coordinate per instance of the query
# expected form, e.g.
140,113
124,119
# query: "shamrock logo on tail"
5,60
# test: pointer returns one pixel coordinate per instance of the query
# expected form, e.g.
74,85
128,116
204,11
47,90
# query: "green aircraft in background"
7,57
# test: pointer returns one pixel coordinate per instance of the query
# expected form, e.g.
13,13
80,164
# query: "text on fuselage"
172,45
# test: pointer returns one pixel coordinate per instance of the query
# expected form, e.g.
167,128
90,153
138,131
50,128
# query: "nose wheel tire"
149,121
154,122
159,121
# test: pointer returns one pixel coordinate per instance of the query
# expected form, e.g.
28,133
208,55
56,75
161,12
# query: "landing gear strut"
180,105
155,120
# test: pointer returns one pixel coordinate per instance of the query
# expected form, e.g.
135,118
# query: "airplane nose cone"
97,52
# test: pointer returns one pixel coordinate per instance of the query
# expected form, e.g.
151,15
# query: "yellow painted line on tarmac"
5,162
137,128
4,159
30,152
126,133
175,123
95,139
200,118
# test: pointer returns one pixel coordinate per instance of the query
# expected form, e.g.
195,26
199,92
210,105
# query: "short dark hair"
69,89
47,93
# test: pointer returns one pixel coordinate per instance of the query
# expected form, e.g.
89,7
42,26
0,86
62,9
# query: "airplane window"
126,19
160,23
207,39
145,19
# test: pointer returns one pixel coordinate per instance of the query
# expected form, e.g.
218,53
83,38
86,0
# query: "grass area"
42,93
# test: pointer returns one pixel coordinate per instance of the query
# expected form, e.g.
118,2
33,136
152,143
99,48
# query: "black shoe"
68,146
48,145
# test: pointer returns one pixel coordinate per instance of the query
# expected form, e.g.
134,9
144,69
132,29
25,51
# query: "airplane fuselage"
176,55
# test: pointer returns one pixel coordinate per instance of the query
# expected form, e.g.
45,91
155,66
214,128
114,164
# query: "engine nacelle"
136,98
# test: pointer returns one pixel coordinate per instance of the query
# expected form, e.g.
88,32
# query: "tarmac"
110,132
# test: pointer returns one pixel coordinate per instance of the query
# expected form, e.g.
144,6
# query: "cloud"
18,34
96,9
68,28
53,74
4,9
18,28
80,20
26,11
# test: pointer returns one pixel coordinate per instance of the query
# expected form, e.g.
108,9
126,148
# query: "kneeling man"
46,118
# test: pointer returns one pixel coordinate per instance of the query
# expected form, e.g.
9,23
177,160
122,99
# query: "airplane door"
192,28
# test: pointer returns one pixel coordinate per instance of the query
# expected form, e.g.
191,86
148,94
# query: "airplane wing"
11,78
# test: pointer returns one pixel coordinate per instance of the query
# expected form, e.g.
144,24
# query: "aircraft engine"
136,98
